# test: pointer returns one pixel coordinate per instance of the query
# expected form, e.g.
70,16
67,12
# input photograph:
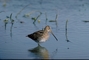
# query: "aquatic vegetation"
52,21
4,4
21,22
85,21
38,21
56,23
12,20
46,18
66,31
35,18
21,10
26,15
56,20
6,22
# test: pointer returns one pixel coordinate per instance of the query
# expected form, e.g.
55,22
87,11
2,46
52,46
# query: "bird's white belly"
42,40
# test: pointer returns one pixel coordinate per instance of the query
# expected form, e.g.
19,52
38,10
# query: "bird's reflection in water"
40,51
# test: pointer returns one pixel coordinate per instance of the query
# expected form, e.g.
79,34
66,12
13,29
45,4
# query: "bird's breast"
44,38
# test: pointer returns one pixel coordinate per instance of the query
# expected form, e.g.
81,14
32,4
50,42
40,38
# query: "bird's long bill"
54,35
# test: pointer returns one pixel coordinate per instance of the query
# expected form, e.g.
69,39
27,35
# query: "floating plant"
4,4
26,15
35,18
6,22
38,21
21,10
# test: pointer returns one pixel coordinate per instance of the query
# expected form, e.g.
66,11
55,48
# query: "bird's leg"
38,44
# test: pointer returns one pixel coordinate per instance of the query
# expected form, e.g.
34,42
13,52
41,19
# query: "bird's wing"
36,34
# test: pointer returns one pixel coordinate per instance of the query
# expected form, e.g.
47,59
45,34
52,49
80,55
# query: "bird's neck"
45,31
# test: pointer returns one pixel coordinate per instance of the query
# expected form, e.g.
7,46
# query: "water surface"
15,45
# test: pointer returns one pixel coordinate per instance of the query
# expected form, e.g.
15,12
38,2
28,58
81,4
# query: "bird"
41,35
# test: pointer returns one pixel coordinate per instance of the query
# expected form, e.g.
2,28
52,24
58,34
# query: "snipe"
41,35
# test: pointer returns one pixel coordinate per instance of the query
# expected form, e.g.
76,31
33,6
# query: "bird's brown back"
36,35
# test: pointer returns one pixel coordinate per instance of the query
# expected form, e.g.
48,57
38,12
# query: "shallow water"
15,45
